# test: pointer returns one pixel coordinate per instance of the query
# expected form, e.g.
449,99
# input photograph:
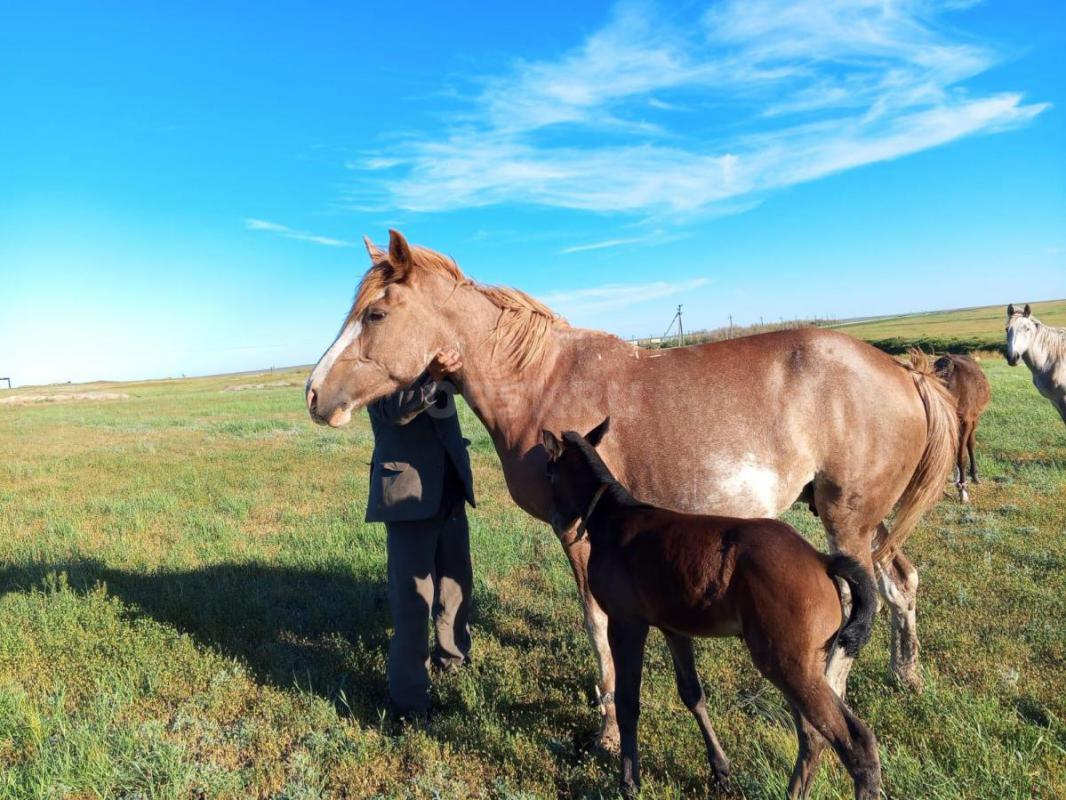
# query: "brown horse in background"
743,427
968,385
698,575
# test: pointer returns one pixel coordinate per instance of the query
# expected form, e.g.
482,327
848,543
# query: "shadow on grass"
321,630
326,631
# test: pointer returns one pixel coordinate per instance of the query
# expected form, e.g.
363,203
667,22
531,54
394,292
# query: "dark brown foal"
696,575
968,385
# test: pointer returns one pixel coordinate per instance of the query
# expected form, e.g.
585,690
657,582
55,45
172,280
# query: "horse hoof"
722,784
608,740
909,677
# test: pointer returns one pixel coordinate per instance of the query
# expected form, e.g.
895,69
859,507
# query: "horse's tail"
856,629
941,442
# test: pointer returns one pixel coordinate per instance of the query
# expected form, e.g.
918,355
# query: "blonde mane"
522,326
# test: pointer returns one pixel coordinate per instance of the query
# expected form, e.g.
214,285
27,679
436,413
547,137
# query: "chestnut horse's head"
1020,330
390,335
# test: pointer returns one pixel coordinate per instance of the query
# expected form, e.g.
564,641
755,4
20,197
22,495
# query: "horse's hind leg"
691,693
965,431
811,744
849,532
850,737
970,441
898,582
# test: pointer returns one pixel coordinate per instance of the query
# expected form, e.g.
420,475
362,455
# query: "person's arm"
404,405
401,407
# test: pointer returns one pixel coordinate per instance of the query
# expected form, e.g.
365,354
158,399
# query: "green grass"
959,331
191,606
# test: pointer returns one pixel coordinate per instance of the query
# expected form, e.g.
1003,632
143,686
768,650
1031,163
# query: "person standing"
420,483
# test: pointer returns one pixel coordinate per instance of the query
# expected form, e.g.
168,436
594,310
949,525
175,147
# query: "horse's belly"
747,487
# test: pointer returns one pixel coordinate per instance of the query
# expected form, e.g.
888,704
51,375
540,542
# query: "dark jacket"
414,441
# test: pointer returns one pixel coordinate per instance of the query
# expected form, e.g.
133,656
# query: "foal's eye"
375,315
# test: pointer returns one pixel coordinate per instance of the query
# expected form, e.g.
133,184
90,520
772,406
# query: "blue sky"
183,187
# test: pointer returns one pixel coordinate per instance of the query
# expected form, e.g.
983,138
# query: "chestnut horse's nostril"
312,399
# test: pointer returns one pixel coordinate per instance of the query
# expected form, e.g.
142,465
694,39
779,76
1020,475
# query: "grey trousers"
429,572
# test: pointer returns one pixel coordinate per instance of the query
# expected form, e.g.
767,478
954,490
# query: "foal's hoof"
722,784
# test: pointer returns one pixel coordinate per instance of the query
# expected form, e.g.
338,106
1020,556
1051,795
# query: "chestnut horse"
701,575
743,427
968,385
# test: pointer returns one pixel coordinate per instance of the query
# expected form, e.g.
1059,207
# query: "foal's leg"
577,552
627,648
811,744
853,741
898,582
691,693
796,665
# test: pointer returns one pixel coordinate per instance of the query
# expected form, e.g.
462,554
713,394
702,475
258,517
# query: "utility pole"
680,328
730,326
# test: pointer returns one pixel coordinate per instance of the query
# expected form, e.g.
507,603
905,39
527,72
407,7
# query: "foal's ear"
1010,310
399,255
551,444
594,436
1026,312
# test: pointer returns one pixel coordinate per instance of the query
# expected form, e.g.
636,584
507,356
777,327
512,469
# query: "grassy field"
192,607
960,330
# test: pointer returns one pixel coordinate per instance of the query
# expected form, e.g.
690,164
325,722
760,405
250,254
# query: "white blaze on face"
344,339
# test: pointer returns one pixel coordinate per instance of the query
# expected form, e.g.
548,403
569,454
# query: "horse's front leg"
577,551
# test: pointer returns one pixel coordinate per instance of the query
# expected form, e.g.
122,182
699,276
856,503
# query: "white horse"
1043,349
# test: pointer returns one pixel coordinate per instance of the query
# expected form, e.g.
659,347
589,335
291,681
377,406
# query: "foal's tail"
856,630
941,442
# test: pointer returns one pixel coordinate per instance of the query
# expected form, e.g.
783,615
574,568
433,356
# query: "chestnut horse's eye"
375,315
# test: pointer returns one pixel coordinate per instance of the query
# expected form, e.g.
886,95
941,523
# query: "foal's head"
575,472
1021,327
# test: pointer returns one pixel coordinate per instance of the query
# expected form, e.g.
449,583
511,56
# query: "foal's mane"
523,325
603,474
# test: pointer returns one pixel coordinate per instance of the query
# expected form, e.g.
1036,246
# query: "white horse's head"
1020,331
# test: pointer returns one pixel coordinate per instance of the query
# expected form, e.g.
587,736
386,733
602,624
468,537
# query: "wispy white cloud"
656,118
605,244
588,302
290,233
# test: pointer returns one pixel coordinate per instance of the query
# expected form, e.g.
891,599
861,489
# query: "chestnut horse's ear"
595,436
399,255
551,444
372,250
1027,312
1010,310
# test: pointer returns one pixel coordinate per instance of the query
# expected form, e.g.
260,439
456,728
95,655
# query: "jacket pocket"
400,484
